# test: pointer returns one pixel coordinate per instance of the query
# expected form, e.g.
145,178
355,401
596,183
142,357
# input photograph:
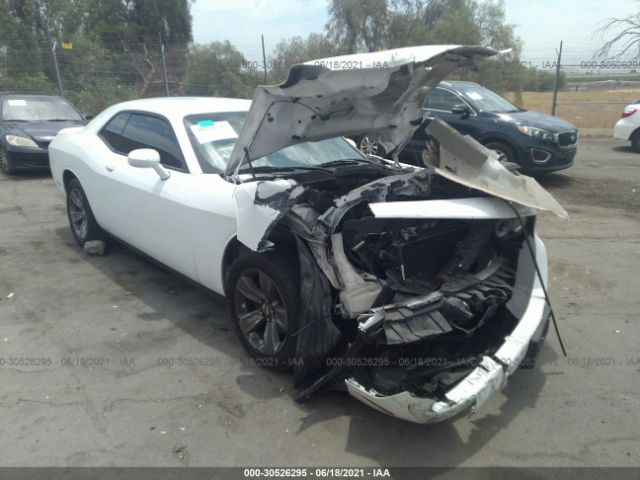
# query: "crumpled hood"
379,93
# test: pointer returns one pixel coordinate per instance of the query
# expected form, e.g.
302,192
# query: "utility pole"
55,64
164,70
555,88
264,60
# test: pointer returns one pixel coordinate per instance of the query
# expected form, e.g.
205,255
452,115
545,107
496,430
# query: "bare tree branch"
628,36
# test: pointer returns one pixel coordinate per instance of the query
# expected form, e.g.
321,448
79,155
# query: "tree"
219,70
625,34
355,25
298,50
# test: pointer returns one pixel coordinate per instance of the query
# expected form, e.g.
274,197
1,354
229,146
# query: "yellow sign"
67,46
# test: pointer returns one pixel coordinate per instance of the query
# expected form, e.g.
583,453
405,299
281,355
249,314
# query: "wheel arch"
281,237
506,140
67,175
635,132
497,137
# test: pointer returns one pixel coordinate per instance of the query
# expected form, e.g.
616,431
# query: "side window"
146,131
111,133
440,99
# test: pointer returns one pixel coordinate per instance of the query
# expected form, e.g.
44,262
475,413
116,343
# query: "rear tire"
263,293
84,227
5,163
635,141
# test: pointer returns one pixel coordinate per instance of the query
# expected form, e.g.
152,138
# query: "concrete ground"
112,361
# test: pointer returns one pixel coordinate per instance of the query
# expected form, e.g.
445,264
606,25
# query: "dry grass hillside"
595,109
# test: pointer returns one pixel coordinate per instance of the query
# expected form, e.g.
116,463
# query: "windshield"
487,101
214,135
31,109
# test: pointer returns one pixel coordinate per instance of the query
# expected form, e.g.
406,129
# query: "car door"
148,213
440,103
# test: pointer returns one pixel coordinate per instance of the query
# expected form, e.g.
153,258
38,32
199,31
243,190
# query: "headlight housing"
537,133
18,141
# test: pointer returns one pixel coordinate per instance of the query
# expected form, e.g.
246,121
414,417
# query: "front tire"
263,292
5,163
504,151
84,227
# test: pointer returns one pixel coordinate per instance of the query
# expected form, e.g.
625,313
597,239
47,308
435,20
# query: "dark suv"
538,143
27,124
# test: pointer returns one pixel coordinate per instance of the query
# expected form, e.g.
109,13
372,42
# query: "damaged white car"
420,290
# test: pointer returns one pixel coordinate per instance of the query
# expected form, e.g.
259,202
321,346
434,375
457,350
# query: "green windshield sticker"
206,123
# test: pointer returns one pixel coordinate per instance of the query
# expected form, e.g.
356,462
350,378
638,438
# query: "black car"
27,124
538,143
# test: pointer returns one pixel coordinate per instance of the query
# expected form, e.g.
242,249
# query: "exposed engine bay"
409,292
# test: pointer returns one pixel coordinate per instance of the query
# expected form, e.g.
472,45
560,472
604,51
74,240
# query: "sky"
541,24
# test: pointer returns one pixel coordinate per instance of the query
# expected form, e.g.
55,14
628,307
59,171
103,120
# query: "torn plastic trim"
479,385
424,316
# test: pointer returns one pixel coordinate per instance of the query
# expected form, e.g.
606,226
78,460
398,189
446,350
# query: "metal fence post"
164,70
55,64
555,88
264,60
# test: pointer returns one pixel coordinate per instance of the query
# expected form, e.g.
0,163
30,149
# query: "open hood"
378,93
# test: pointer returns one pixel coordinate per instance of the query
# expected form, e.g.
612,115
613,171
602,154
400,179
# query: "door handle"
109,168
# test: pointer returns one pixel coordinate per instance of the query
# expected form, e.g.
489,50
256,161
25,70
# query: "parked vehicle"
536,142
395,281
28,123
628,127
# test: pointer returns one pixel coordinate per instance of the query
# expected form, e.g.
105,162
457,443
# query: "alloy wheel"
78,213
502,158
262,315
368,146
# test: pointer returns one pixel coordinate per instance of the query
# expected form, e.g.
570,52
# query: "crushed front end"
418,287
419,305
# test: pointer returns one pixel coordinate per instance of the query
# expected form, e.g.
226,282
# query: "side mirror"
461,109
147,158
87,116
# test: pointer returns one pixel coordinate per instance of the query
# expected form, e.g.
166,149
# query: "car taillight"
627,112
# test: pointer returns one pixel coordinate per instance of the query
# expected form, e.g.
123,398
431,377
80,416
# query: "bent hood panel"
379,93
465,161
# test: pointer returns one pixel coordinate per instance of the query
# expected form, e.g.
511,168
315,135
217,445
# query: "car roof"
182,106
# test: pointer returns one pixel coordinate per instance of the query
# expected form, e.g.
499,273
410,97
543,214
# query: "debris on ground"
94,247
11,295
181,453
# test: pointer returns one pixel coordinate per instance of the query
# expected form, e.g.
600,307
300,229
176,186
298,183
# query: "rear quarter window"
111,133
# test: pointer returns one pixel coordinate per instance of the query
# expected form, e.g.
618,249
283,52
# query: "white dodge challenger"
419,290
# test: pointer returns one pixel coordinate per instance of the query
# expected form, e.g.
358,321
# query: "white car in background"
414,288
628,127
